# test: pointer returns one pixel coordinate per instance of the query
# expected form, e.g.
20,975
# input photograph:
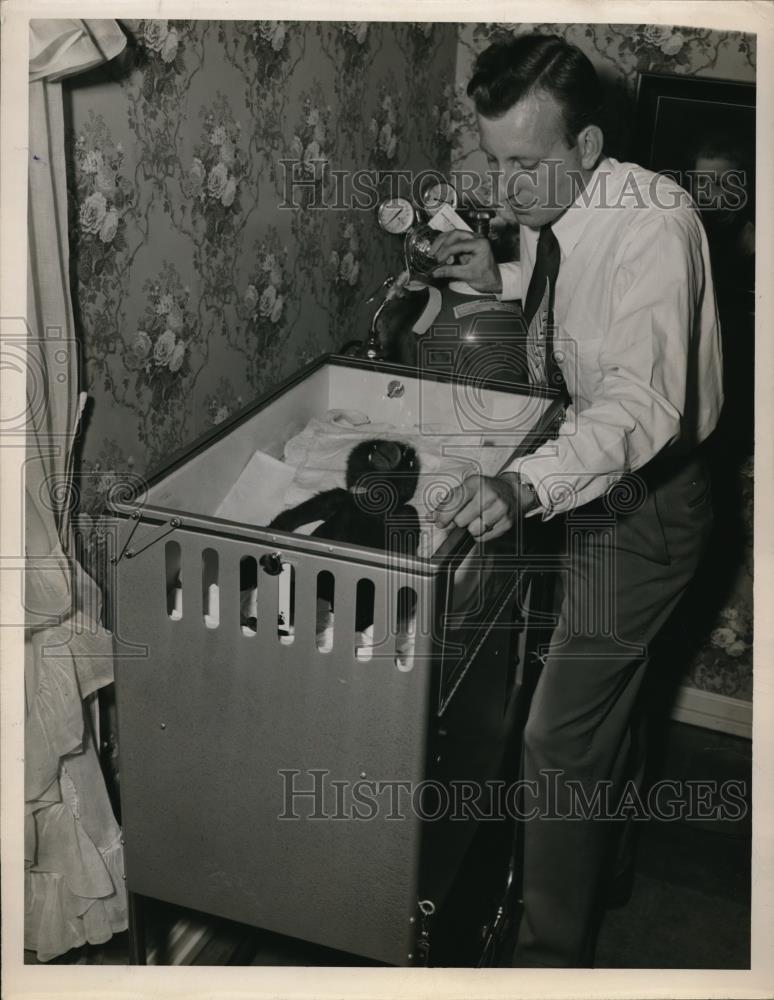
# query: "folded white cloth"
259,492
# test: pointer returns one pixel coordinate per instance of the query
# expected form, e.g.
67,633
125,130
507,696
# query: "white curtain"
74,892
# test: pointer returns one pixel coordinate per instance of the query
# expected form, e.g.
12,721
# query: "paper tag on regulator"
446,219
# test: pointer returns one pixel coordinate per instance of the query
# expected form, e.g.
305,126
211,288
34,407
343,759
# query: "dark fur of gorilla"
373,510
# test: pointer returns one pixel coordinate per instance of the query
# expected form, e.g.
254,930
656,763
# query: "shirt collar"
569,227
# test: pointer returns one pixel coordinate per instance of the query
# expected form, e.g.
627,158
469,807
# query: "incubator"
249,656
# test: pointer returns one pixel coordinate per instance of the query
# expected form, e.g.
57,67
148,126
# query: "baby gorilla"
373,510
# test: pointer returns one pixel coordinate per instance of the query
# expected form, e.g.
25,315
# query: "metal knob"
271,563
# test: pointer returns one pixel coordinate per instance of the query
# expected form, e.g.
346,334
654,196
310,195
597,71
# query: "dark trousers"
627,561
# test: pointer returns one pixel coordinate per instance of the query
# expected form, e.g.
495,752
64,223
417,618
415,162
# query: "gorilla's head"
383,474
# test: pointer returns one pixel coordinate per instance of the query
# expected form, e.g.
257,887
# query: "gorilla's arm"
404,530
317,508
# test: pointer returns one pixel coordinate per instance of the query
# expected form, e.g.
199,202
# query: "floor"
689,906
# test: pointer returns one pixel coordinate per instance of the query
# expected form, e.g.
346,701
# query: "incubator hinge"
426,911
130,553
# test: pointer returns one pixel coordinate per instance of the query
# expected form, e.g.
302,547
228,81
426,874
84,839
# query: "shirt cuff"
538,471
558,491
510,276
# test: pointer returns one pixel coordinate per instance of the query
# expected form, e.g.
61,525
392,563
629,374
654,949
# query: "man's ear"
591,141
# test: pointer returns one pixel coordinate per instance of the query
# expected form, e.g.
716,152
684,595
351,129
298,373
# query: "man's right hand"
476,266
485,505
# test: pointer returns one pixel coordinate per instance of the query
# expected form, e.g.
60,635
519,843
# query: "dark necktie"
545,271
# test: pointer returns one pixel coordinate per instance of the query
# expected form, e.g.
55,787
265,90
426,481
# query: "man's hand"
487,506
476,264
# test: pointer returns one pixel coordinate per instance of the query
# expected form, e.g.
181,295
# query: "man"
617,291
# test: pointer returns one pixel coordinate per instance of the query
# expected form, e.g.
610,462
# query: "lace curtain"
74,890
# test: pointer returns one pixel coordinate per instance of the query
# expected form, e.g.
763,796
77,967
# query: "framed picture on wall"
701,132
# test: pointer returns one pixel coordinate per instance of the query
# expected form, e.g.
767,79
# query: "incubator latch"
426,911
271,563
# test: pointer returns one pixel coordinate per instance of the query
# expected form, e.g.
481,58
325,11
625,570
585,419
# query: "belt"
667,465
658,472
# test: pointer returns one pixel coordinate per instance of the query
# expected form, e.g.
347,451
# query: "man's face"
538,172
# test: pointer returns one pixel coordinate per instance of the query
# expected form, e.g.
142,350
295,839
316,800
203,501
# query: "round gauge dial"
440,193
396,215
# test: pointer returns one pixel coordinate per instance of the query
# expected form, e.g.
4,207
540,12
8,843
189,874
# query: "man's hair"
545,64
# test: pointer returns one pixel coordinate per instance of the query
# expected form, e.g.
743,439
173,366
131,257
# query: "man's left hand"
476,266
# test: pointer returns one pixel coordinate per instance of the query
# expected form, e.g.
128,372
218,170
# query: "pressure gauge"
438,194
395,215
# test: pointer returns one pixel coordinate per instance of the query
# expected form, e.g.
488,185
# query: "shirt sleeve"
639,402
510,275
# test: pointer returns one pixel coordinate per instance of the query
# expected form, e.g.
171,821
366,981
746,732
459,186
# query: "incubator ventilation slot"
364,612
173,580
326,586
286,604
248,595
210,589
405,628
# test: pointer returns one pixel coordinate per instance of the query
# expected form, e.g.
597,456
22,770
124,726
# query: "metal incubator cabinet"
214,718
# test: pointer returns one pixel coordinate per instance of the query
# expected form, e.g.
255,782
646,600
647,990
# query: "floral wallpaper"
213,249
213,252
711,641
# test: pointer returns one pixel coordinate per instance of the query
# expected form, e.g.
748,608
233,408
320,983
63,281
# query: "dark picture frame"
701,131
685,127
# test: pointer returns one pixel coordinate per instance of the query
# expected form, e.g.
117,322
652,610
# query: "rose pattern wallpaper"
212,250
213,253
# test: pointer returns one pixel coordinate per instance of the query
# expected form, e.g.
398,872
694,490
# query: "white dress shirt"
637,333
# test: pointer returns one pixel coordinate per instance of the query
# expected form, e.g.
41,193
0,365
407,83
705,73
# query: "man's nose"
499,186
513,182
521,186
